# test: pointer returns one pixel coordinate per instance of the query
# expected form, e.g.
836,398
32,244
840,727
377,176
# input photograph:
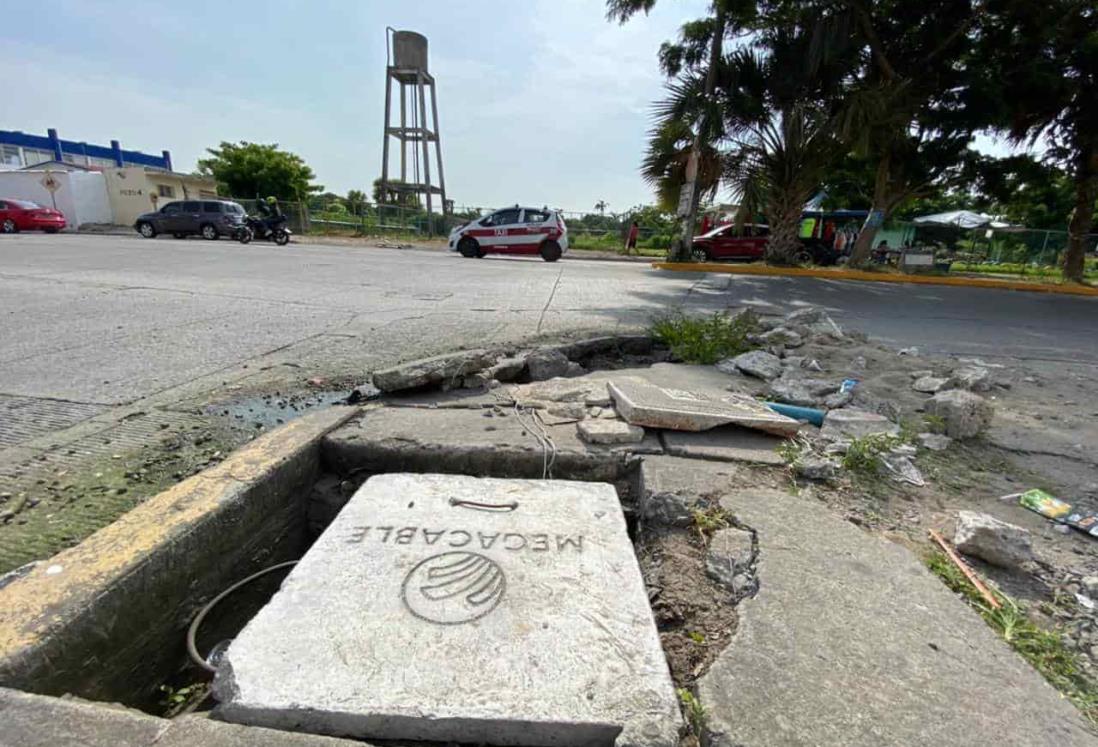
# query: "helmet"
271,200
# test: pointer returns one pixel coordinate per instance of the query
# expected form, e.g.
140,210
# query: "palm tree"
774,167
601,206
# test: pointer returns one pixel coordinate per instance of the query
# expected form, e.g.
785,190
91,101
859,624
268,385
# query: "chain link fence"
1013,252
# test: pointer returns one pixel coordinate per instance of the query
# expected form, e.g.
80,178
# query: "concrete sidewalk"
850,641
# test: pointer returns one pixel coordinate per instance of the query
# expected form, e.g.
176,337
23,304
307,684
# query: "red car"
726,242
24,215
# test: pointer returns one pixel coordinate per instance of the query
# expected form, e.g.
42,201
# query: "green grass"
1043,649
1019,269
705,339
709,520
864,454
696,714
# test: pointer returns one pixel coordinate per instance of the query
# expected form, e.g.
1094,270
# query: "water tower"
406,64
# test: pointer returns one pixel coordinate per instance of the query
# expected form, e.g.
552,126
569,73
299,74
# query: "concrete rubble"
441,370
965,414
729,558
419,615
547,364
973,378
610,432
929,384
850,422
999,543
642,403
757,363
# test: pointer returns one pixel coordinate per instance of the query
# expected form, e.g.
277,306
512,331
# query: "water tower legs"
416,130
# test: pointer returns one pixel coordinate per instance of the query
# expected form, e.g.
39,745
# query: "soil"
695,616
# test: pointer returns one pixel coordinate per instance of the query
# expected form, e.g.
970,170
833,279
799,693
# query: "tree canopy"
877,103
253,170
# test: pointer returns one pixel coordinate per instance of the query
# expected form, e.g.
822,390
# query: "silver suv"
207,218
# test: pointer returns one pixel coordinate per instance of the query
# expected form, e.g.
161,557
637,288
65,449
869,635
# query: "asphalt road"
112,319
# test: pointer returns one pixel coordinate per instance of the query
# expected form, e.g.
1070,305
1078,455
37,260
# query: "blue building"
19,150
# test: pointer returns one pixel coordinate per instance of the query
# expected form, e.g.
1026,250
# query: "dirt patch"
695,616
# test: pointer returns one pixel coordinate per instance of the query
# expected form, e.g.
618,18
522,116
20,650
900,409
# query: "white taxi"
513,230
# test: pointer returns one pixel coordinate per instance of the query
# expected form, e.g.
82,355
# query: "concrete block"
198,731
609,432
41,721
421,613
849,422
440,369
642,403
990,539
965,414
729,443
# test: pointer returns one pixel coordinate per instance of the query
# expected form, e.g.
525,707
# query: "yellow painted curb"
31,606
875,277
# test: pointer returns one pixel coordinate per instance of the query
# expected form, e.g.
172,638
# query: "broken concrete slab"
929,384
849,422
42,721
934,441
850,641
731,552
781,336
462,441
671,486
966,415
450,368
641,403
609,432
547,363
729,443
816,468
421,614
585,390
972,378
757,363
999,543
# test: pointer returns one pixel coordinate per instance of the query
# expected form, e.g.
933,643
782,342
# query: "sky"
540,102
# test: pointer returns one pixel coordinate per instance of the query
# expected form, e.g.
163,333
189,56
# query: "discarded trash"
848,385
1084,600
904,470
1053,508
807,414
963,567
909,351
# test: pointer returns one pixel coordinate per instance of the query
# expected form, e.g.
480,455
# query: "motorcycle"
254,227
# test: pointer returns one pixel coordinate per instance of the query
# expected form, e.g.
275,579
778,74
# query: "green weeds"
1043,649
706,339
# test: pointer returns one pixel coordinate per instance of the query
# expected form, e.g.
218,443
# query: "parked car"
209,219
749,242
513,230
24,215
729,242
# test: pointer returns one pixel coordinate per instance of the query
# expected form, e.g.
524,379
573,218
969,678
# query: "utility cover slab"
452,608
642,403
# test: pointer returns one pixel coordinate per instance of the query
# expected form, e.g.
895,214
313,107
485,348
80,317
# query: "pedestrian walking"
631,241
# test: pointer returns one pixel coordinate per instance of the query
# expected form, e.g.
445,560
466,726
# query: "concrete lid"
422,614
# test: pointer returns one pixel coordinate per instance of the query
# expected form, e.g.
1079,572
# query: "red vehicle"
24,215
728,242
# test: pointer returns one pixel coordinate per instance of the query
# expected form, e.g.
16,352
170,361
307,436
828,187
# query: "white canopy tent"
961,219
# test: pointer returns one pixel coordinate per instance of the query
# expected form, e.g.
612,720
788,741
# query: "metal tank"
409,50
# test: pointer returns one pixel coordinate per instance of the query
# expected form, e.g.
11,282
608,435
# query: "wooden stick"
969,573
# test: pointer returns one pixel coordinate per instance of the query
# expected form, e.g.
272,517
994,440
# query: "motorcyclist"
271,213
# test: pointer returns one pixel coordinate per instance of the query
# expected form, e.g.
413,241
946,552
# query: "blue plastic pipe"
808,414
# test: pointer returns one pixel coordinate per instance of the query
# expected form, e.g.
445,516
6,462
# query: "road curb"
875,277
132,586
